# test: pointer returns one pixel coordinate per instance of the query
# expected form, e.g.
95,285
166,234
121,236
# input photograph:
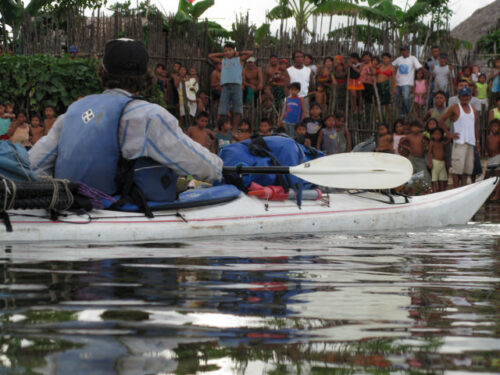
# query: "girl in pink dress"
420,91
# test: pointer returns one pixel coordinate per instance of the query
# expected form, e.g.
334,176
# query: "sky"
224,11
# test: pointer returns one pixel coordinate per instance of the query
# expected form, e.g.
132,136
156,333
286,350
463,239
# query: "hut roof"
482,22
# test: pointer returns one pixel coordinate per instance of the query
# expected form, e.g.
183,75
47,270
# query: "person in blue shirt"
103,136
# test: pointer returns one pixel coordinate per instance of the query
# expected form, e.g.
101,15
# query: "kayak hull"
247,216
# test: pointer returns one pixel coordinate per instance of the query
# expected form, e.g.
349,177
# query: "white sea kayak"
338,212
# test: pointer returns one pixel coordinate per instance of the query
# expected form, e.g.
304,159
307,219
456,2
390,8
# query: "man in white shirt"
300,73
465,136
404,76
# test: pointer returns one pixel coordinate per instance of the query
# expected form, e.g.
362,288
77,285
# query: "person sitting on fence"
143,138
231,80
50,118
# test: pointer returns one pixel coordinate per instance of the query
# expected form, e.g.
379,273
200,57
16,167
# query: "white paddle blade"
358,170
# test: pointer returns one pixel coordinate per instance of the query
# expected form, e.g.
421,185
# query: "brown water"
406,302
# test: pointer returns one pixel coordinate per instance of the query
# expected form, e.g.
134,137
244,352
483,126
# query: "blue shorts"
231,98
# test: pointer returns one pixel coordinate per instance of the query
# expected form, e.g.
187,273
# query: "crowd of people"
435,129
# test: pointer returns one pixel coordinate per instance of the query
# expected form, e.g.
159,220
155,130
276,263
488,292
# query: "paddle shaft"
239,169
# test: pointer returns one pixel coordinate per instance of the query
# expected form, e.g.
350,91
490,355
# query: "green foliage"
490,44
33,82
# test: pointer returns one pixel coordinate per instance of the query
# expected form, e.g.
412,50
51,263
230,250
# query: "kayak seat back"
188,199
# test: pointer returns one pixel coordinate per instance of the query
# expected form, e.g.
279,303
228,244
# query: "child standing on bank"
398,135
294,109
36,128
224,136
420,91
327,138
200,133
482,91
343,135
50,118
313,123
436,158
384,141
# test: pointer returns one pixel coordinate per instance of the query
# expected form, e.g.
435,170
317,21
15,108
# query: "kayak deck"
249,216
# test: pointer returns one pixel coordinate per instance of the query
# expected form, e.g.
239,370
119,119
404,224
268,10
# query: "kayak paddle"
358,170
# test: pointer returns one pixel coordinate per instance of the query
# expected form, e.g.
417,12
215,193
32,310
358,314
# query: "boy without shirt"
200,133
415,144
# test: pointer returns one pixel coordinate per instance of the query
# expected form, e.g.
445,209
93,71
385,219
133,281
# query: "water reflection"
344,303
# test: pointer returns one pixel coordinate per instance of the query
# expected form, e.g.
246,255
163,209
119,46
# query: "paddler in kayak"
121,144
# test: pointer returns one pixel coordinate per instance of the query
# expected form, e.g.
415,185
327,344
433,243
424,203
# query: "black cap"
125,57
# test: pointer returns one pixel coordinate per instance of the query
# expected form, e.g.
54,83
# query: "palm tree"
302,10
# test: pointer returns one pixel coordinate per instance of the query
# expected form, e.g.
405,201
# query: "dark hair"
387,54
440,92
494,121
416,123
295,85
229,45
438,129
246,121
315,104
434,47
33,115
300,125
265,119
21,112
221,121
398,121
443,55
366,53
273,55
330,115
339,114
201,114
308,55
177,63
354,55
462,80
132,84
481,75
295,53
327,58
429,120
384,124
50,106
280,129
160,66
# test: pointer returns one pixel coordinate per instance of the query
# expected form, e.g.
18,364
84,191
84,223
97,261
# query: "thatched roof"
481,23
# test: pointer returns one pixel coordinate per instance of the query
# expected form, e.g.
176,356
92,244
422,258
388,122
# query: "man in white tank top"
465,136
303,75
